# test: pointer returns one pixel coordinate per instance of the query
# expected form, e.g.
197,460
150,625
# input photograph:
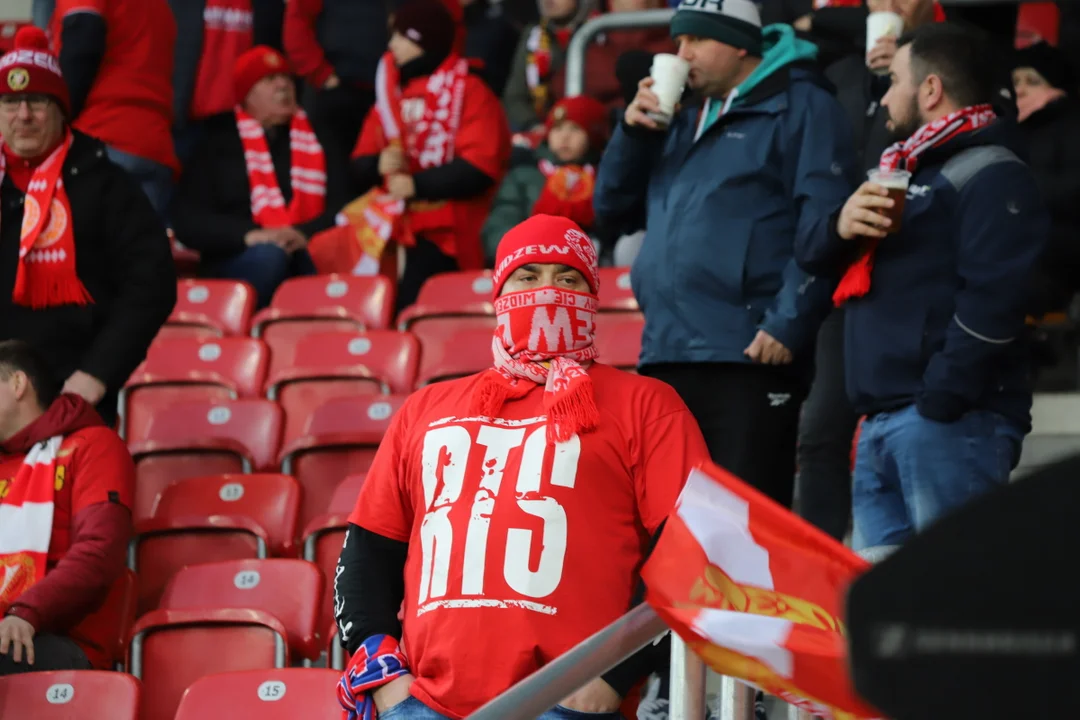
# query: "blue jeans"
413,709
910,471
155,179
265,266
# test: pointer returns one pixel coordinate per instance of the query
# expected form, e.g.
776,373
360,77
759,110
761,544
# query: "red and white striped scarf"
905,156
307,173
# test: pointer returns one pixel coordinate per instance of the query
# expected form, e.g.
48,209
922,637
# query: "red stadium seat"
618,339
185,259
366,302
290,590
190,369
221,306
340,439
449,350
285,694
193,438
282,338
451,294
69,694
171,649
330,365
108,628
615,292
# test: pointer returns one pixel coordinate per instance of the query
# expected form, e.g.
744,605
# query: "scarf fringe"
490,394
856,280
573,412
52,291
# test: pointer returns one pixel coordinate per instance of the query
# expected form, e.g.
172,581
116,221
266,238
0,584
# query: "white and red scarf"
307,173
544,337
905,156
26,521
46,276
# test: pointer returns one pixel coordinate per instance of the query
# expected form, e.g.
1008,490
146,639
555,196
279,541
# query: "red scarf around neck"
567,192
905,156
46,276
307,173
543,337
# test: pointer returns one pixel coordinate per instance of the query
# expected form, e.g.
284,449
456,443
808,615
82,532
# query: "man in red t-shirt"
66,485
511,509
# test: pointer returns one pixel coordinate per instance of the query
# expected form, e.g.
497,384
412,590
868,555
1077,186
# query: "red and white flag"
758,593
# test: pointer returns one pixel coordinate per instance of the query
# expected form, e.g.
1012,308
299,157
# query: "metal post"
736,700
795,713
687,682
575,53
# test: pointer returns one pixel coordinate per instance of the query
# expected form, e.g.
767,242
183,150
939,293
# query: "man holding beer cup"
936,251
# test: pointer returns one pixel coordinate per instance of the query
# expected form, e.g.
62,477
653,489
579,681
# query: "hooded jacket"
730,189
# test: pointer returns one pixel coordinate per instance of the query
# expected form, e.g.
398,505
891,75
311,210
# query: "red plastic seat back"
283,337
319,473
616,295
618,339
224,306
290,590
368,300
284,694
452,293
69,694
451,348
343,500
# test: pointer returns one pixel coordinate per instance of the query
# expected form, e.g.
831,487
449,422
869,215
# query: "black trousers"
51,652
825,435
337,115
749,415
421,262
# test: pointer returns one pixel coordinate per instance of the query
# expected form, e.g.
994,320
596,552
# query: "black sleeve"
189,40
364,172
456,180
369,586
268,17
141,268
339,189
198,222
82,50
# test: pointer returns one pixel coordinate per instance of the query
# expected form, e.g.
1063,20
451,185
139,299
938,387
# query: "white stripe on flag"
27,527
755,636
720,521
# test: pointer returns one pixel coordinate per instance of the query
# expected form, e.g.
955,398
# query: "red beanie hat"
30,69
257,63
587,113
546,239
428,23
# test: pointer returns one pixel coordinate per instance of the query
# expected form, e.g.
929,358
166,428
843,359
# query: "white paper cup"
879,25
669,78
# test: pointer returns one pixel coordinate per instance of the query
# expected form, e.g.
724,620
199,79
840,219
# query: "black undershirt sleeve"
369,586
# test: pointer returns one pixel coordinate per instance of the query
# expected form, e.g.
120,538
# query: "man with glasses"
86,275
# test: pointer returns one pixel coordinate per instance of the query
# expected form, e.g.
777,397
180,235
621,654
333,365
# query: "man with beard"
936,354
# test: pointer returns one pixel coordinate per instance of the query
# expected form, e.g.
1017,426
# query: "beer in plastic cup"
879,25
669,78
896,182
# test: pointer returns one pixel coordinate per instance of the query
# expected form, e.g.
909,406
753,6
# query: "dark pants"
421,262
51,652
749,415
337,115
825,436
265,266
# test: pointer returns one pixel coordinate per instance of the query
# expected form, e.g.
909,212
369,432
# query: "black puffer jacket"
122,257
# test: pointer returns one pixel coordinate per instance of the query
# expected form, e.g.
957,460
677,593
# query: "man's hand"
1034,99
18,635
392,160
767,350
401,186
596,697
859,217
394,692
644,102
881,55
331,82
290,239
260,236
88,387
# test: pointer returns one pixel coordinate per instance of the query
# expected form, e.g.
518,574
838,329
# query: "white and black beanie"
733,22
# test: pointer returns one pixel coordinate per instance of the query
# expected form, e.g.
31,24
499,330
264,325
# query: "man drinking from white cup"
744,171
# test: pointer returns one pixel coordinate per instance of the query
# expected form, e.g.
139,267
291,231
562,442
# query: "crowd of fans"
784,304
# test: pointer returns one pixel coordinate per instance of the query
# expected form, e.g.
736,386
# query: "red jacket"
302,43
91,531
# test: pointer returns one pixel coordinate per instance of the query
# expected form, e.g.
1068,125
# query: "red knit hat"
30,69
257,63
587,113
546,239
428,23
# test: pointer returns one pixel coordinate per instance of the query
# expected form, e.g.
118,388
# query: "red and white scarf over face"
46,275
905,156
307,173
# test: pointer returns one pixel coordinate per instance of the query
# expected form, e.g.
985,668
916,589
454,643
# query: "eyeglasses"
36,103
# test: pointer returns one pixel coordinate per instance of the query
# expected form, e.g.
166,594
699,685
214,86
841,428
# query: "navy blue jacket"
943,323
725,211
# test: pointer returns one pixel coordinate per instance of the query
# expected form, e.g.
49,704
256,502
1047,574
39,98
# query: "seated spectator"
497,584
66,485
87,275
1049,119
261,182
117,58
491,38
558,176
444,165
